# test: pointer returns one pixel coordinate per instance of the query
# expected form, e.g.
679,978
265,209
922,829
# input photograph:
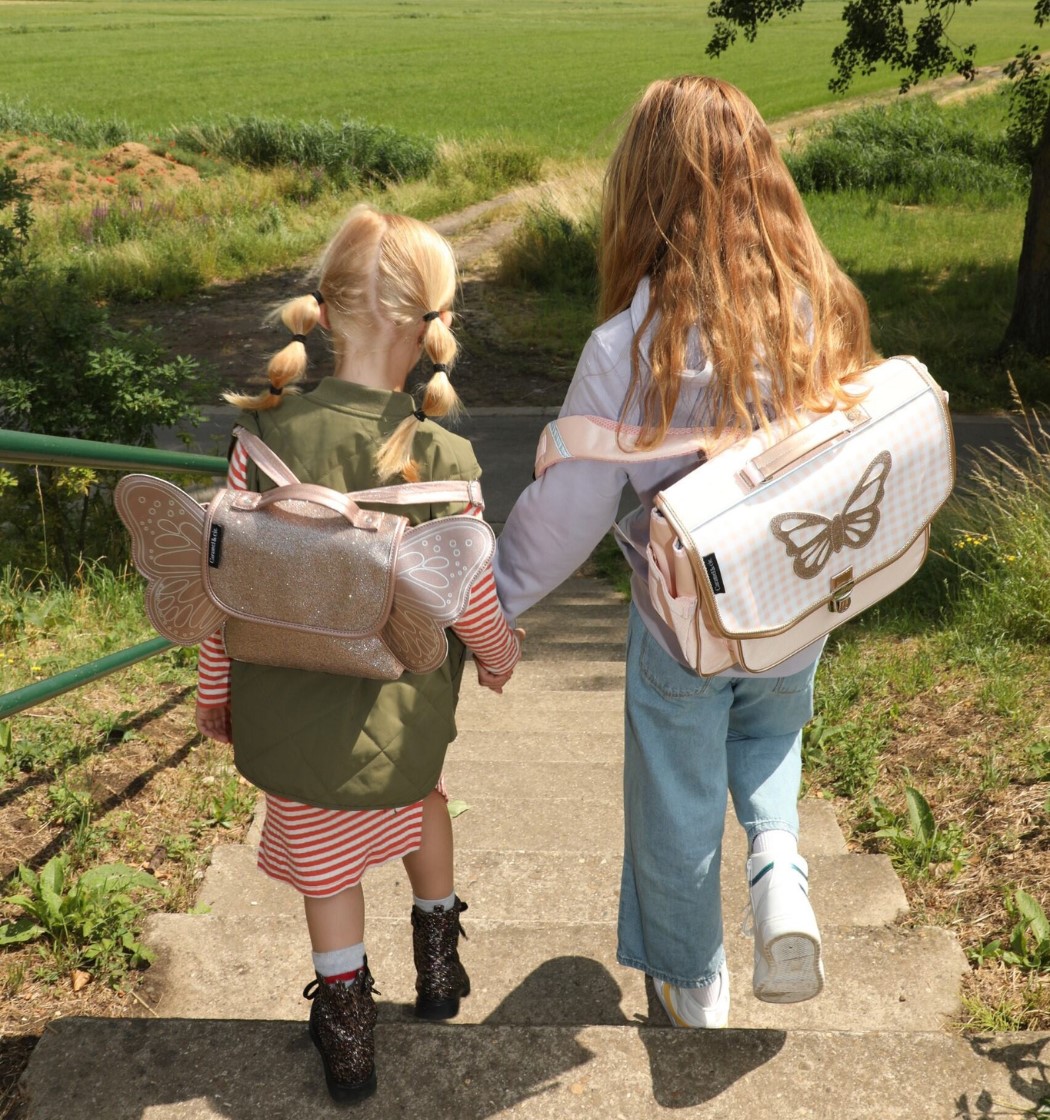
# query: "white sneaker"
683,1008
788,967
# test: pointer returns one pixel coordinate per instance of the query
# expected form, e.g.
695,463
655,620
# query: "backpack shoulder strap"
596,437
267,460
404,494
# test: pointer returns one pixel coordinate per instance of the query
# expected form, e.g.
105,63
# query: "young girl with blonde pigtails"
351,766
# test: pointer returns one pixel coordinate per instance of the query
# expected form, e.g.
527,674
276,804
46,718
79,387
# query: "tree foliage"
880,32
877,33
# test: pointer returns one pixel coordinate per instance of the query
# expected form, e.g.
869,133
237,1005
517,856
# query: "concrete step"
583,824
538,742
590,674
539,973
552,887
535,714
171,1069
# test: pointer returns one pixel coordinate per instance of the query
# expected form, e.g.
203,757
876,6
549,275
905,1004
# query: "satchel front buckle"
841,590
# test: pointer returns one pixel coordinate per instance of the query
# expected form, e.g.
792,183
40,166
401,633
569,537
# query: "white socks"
774,842
429,905
340,964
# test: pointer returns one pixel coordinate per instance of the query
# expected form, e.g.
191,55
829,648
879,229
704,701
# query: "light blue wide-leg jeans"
690,741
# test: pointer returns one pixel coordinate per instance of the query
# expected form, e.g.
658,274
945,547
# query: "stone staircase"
553,1026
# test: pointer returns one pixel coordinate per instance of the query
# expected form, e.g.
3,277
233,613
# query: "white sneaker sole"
793,969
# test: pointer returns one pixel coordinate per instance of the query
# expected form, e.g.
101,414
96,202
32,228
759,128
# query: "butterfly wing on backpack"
437,565
167,545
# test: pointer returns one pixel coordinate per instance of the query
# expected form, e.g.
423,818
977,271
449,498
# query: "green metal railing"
59,451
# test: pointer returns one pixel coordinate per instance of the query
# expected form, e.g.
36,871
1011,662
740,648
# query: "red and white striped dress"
323,851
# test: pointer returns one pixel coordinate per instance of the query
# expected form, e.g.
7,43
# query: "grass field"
554,72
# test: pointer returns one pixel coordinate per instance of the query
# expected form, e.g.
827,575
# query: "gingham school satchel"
773,542
301,576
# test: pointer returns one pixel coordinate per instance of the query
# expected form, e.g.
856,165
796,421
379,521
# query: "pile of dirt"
58,173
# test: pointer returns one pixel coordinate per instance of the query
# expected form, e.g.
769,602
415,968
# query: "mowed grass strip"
551,72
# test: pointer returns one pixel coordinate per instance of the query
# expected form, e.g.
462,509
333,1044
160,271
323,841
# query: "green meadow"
557,73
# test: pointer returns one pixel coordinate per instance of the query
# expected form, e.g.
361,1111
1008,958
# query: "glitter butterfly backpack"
301,576
774,541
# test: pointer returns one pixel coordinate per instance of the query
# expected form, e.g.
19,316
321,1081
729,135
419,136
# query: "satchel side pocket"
677,610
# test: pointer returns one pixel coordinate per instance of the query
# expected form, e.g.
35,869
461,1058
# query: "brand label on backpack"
714,574
215,546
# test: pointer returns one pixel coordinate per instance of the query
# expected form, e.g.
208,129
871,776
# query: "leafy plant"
226,804
89,921
844,756
916,841
68,805
1028,96
1028,946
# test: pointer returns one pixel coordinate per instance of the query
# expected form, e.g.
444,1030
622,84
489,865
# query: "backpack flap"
289,560
781,530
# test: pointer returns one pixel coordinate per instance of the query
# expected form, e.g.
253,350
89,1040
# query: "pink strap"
595,437
405,494
268,461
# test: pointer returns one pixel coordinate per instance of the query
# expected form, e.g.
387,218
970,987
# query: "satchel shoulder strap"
405,494
596,437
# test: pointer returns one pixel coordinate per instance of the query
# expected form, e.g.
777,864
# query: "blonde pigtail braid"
439,399
288,365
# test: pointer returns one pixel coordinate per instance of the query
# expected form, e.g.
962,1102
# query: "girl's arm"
557,521
483,628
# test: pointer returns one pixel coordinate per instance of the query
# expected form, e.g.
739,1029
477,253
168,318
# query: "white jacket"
556,523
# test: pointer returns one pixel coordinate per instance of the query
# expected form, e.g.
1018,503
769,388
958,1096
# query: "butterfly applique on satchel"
812,539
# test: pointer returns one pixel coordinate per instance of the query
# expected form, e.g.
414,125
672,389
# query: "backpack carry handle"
789,451
365,519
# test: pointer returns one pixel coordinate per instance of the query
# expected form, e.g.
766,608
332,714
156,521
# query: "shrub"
67,372
913,152
554,251
491,165
348,152
18,117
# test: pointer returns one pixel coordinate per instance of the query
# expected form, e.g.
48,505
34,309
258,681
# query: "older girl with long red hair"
721,311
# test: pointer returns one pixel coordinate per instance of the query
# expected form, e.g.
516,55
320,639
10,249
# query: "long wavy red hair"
698,198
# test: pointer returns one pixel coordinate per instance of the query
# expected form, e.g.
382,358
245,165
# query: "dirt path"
222,326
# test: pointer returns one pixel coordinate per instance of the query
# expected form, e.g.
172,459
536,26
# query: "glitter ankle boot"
342,1027
441,980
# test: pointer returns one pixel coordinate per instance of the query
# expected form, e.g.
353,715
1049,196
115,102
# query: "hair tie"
440,367
419,414
299,338
276,390
316,293
431,315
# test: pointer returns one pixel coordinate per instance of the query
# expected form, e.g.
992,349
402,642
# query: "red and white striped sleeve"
483,627
213,666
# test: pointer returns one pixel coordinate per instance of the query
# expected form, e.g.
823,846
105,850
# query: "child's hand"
214,723
496,681
493,681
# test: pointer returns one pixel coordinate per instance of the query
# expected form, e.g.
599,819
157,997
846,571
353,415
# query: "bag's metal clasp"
841,590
